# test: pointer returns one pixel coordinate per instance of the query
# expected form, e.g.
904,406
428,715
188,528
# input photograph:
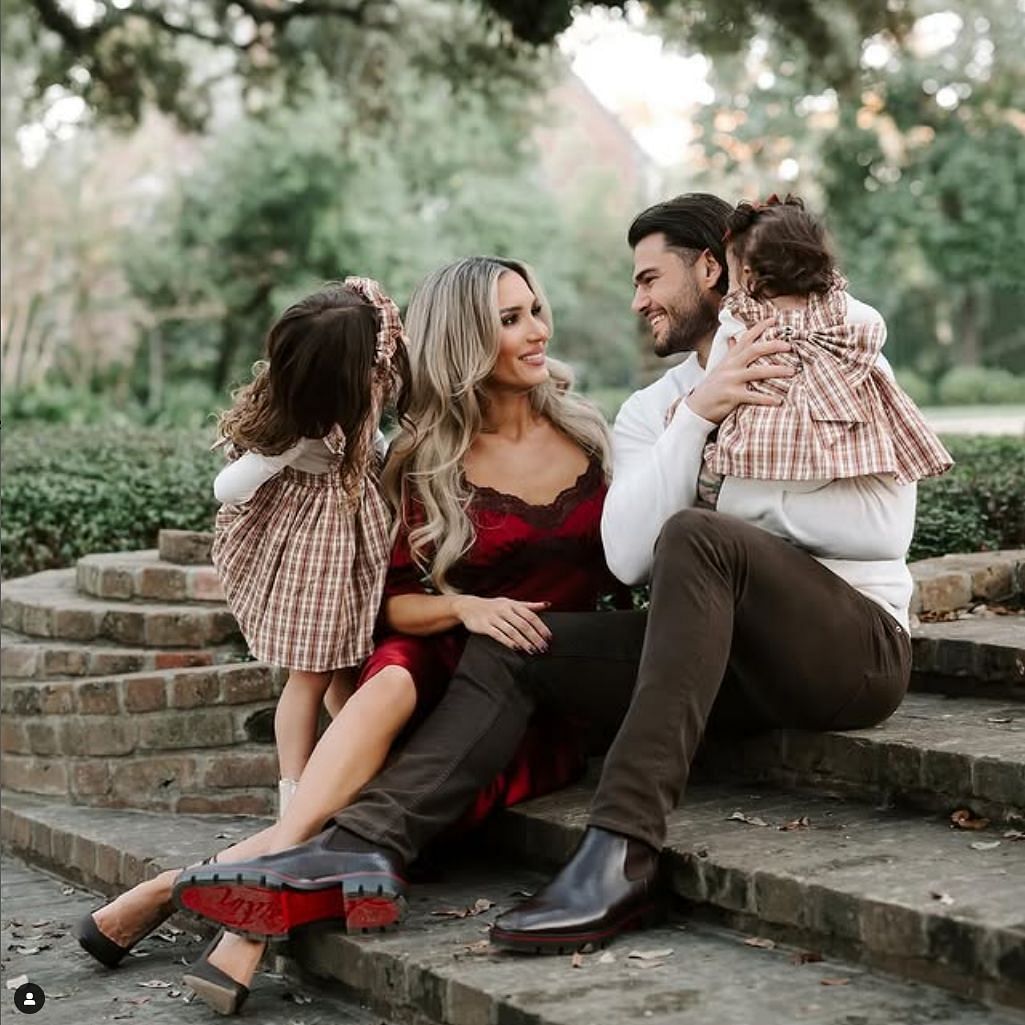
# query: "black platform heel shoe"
105,950
217,989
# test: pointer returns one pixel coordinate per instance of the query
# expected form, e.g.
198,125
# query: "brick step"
935,753
187,739
127,576
24,658
436,970
951,582
237,780
903,894
980,656
185,547
47,604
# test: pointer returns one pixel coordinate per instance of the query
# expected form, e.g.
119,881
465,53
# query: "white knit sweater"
860,528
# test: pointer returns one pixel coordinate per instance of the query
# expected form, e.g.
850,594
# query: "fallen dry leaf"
474,949
480,905
17,981
834,982
806,957
943,898
984,845
964,818
67,891
1014,834
760,941
39,925
607,958
154,984
577,960
525,894
802,823
651,955
751,820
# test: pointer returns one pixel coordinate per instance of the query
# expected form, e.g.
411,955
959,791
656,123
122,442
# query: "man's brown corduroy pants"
744,631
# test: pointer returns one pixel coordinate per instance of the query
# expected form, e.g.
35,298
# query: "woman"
500,480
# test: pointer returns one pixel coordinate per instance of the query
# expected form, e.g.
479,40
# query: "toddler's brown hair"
785,247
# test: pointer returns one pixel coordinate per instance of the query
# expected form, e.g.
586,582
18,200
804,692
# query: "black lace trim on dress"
549,514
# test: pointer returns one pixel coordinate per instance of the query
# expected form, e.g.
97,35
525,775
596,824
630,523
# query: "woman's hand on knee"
516,624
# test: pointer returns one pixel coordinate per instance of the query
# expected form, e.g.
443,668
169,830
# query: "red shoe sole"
269,913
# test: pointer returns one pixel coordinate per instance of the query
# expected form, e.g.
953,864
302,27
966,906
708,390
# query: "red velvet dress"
528,552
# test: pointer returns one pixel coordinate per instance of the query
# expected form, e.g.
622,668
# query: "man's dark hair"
691,223
786,248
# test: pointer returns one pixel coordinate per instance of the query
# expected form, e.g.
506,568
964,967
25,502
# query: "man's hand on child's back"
726,385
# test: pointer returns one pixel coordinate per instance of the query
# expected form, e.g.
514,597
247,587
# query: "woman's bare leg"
348,755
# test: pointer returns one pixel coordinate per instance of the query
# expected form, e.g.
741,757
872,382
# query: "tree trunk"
971,339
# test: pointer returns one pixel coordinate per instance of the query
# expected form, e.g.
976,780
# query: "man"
743,626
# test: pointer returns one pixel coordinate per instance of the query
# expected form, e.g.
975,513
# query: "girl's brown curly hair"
785,247
318,371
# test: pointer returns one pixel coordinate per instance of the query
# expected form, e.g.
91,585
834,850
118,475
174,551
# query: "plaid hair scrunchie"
390,334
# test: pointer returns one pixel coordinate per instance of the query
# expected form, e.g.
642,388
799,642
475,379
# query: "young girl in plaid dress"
303,534
840,414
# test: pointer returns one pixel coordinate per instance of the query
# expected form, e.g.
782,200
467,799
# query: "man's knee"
691,526
490,664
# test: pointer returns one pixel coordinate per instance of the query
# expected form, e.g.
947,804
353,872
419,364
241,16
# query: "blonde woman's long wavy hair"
453,325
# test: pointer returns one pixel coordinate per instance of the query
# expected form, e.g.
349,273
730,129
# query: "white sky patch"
935,32
649,87
788,169
59,122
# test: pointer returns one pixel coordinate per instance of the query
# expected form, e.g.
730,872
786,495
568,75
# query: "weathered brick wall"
182,740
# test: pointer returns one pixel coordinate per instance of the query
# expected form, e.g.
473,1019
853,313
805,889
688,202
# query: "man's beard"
686,330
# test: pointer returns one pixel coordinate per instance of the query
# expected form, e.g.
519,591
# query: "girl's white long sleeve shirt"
859,527
243,477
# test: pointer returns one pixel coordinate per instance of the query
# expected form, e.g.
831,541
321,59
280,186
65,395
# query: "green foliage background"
79,490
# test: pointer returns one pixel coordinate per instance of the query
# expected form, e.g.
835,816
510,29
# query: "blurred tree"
301,195
120,55
918,162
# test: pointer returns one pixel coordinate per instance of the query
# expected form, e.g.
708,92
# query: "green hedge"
979,505
70,491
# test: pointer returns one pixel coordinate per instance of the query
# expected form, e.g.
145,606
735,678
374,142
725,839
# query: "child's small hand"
671,411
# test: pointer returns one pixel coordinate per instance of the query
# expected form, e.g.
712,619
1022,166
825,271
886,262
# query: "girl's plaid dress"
303,563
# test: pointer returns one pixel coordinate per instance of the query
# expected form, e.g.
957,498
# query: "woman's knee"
393,688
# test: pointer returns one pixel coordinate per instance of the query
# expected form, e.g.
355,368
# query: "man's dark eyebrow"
640,274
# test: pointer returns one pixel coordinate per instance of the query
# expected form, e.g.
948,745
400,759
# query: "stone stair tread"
104,657
1000,631
935,752
863,876
707,974
435,967
843,848
48,604
140,576
58,585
